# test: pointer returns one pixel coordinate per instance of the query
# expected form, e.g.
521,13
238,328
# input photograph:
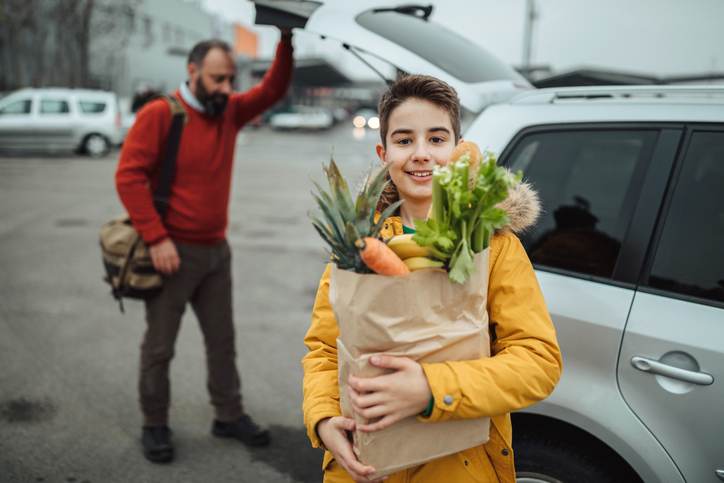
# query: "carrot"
380,258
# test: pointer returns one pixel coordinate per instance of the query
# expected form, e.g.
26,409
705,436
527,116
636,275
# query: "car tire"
96,145
539,460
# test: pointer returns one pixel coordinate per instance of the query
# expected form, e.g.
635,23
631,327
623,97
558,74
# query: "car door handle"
655,367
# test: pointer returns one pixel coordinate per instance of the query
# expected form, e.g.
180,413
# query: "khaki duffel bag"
129,269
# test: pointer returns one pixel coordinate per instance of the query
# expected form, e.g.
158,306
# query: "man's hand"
165,257
333,433
389,398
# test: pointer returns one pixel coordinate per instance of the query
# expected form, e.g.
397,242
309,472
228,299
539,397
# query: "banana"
405,247
421,263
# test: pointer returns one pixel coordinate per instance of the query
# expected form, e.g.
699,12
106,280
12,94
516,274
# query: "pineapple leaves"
340,191
345,221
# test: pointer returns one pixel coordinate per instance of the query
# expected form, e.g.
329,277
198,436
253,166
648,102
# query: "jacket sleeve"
272,87
138,163
525,362
321,388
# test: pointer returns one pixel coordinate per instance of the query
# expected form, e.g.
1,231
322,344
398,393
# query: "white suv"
55,119
629,256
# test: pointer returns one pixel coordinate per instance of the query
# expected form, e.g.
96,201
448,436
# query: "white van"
58,119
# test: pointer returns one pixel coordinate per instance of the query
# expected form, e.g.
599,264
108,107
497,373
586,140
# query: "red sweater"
199,201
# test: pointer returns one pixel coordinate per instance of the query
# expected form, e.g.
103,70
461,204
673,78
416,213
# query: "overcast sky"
659,37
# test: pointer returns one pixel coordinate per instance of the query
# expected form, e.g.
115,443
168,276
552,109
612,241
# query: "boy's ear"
460,141
380,149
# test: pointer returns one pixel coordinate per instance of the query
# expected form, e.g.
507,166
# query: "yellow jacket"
524,366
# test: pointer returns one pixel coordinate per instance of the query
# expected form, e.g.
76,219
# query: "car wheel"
553,461
96,145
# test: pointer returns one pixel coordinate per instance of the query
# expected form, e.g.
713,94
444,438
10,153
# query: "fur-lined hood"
522,206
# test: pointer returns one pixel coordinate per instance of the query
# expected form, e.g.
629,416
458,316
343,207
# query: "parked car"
302,117
627,251
55,119
628,255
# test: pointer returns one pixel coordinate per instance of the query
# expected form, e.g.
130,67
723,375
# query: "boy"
419,128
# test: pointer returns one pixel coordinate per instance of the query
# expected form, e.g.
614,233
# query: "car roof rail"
680,93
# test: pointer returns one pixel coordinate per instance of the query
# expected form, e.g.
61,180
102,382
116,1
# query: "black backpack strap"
168,166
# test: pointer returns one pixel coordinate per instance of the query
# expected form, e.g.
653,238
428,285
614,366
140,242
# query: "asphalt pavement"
69,358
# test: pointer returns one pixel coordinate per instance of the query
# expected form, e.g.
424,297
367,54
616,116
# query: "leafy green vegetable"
464,214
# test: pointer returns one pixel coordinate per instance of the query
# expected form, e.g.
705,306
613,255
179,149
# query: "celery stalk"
438,199
478,238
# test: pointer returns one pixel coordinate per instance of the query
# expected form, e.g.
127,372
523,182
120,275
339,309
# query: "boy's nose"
421,152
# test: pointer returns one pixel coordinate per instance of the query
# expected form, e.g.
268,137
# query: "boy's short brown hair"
423,87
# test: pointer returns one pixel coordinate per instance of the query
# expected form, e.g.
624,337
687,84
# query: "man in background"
189,247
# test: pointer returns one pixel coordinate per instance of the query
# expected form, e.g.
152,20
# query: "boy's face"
419,136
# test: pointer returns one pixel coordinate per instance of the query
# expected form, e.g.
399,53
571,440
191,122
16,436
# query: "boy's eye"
403,141
437,140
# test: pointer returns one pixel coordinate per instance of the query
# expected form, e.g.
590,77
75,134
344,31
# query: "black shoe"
243,429
157,446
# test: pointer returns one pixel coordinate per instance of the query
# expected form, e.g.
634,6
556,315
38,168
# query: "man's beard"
214,104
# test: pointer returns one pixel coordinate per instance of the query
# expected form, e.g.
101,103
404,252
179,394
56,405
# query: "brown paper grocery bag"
423,316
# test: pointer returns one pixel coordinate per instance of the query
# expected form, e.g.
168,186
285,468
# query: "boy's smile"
420,176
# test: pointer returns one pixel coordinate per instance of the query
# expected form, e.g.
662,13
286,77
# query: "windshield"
445,49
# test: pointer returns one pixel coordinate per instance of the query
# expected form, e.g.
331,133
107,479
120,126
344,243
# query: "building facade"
160,35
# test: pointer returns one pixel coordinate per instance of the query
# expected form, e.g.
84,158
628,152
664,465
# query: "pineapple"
343,222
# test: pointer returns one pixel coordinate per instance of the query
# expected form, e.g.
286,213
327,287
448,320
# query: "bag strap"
168,166
123,273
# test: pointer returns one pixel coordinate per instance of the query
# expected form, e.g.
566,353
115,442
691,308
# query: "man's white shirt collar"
190,99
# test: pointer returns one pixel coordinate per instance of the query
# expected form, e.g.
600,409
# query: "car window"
17,107
470,63
92,107
587,183
688,258
54,106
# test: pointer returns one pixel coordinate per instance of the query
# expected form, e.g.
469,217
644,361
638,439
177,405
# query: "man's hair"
199,51
423,87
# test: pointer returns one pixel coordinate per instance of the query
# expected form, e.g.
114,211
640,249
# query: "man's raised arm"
272,87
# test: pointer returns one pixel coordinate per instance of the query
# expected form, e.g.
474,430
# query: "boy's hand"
333,433
387,399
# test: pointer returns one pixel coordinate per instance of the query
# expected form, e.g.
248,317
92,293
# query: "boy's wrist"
430,406
316,430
